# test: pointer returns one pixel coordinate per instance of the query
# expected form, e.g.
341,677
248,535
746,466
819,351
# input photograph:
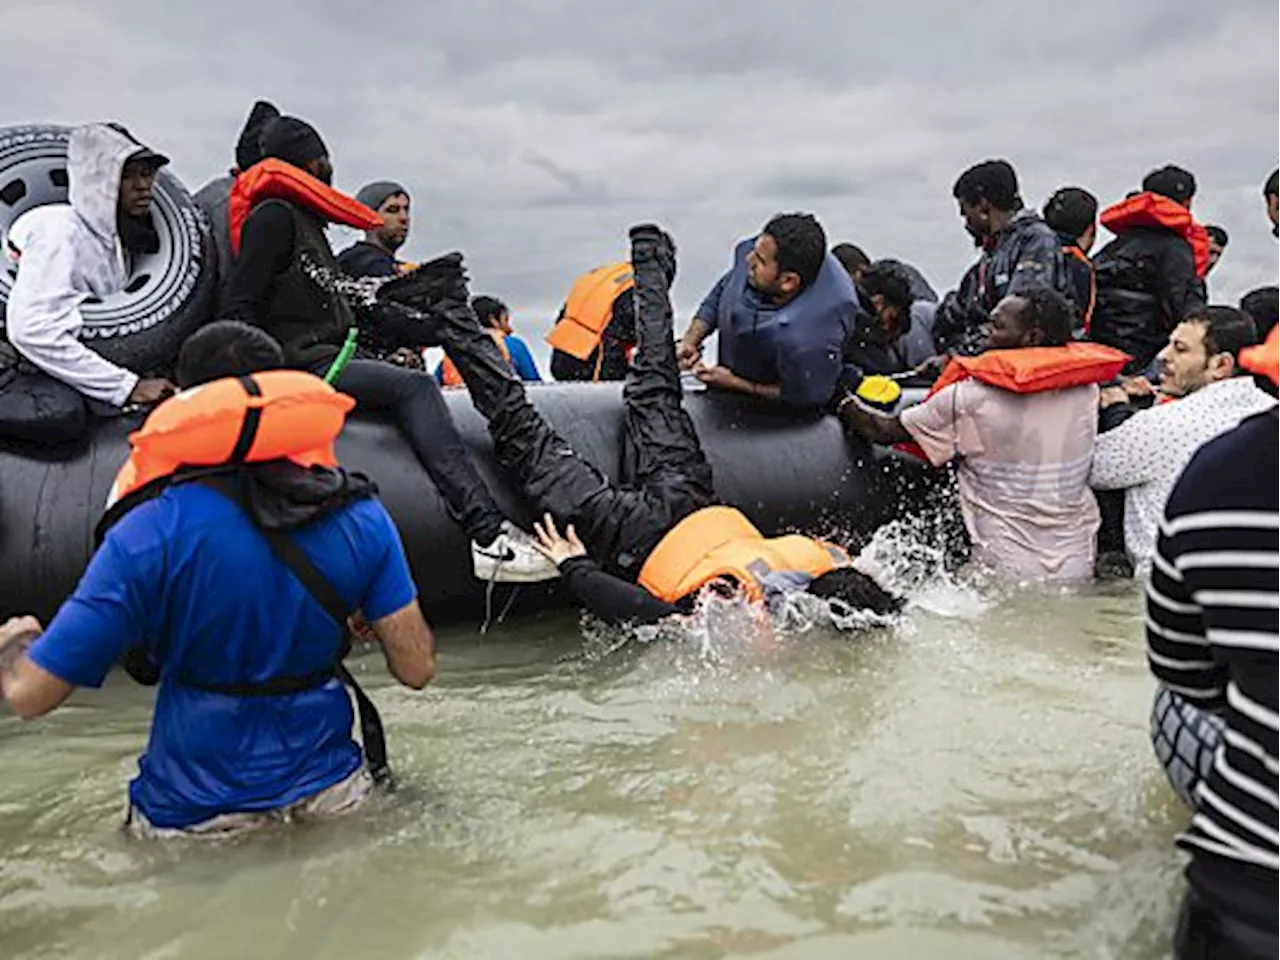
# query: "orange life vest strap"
1154,210
589,309
1071,250
449,375
274,179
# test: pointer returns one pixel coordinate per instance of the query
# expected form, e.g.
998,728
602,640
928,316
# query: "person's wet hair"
1263,305
1226,330
802,244
890,281
488,310
991,180
851,256
1217,234
1272,187
1049,312
226,348
1172,182
856,589
1071,211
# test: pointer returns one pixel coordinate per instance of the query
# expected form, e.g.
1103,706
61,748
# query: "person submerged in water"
642,550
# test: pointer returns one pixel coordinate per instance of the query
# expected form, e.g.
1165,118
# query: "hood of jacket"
1151,210
96,156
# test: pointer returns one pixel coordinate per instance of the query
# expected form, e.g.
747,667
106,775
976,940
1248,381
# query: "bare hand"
932,368
407,357
152,390
1109,396
360,628
687,354
554,547
24,626
1137,386
716,376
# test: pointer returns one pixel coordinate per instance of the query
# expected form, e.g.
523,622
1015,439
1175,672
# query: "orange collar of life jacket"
1153,210
1264,359
273,179
1037,369
719,542
273,415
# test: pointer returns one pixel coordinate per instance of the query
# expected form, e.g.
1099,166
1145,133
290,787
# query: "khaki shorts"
341,798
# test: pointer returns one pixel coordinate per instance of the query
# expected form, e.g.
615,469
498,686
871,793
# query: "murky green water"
965,786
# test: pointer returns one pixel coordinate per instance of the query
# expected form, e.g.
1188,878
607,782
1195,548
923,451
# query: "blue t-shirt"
188,575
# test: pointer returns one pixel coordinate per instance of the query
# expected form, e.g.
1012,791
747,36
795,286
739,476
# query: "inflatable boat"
783,473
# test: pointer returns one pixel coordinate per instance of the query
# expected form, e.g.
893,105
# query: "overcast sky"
531,134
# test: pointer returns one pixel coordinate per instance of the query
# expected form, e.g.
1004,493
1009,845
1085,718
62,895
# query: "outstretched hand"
554,547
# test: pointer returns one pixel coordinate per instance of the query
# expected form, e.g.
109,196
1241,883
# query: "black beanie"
293,141
249,146
1172,182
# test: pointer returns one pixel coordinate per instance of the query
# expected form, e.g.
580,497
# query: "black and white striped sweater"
1212,630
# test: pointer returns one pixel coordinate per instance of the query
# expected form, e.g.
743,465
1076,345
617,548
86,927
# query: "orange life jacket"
1030,370
275,179
1153,210
1264,359
1036,369
449,375
273,415
1071,250
719,542
589,309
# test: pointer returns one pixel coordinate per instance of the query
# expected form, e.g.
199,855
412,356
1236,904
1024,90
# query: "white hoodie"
69,253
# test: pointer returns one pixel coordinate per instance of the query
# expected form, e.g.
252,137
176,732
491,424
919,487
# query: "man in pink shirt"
1022,458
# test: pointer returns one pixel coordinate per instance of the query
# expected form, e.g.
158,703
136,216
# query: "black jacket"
282,281
1147,285
619,335
1027,253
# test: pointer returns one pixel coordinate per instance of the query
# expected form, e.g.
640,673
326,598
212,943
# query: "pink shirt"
1023,473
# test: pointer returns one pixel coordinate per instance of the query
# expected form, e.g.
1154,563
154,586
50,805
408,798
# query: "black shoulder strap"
326,594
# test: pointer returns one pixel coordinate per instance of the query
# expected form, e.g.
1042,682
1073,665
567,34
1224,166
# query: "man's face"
1215,254
1087,239
1008,328
395,222
1273,208
763,273
137,187
977,219
322,169
1185,365
890,316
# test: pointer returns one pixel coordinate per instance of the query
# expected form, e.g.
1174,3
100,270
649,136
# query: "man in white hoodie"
69,253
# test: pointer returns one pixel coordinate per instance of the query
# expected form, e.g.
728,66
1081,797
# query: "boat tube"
784,474
169,292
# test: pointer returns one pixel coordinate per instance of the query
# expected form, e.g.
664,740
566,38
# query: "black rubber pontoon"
784,474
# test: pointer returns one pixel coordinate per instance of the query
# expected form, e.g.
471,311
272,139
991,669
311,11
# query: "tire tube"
169,293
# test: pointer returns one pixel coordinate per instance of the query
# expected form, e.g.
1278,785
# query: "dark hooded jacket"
1081,282
1025,254
214,197
1147,285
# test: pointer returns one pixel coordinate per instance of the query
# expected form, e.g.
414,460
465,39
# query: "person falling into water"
649,546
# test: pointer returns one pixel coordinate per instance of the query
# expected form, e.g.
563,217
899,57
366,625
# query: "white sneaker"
511,558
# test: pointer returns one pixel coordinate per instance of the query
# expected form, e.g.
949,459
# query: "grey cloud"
533,135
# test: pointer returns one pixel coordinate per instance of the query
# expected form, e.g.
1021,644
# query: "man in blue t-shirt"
783,312
189,576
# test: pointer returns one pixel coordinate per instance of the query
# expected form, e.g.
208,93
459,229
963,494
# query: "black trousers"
36,408
1228,913
414,399
665,474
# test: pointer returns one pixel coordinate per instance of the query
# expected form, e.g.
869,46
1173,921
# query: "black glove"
440,279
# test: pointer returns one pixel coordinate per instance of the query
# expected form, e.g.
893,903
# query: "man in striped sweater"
1212,637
